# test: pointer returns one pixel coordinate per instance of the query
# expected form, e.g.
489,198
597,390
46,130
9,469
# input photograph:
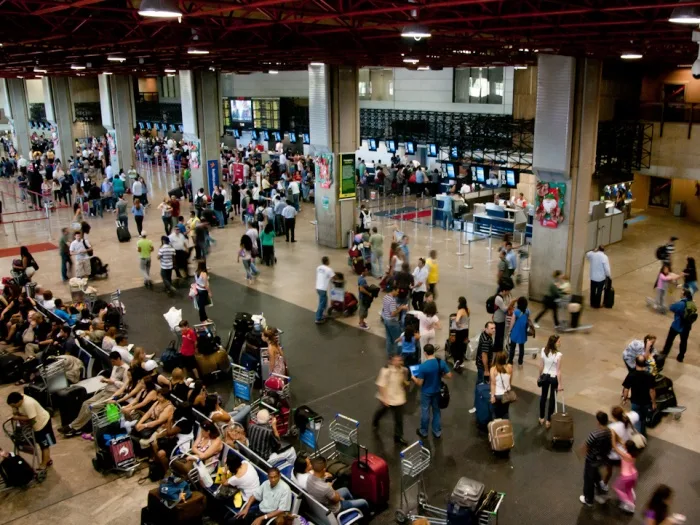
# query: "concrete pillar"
334,122
18,113
59,112
117,108
202,123
566,124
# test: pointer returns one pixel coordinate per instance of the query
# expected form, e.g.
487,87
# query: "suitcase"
482,403
243,323
370,479
69,401
467,493
654,417
457,515
562,429
189,512
123,234
11,368
122,450
609,296
501,435
15,471
40,393
212,363
664,385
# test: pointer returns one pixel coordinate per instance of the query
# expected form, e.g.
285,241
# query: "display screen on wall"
276,136
512,178
454,152
391,146
265,135
172,128
347,176
254,135
307,138
372,144
141,125
480,175
451,170
660,192
410,148
236,133
241,110
181,128
292,137
432,150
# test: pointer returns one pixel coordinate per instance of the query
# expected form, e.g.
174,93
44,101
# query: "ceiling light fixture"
196,51
160,9
212,68
77,67
519,67
113,58
409,60
631,56
38,70
273,72
170,75
424,68
685,14
316,64
416,32
106,72
170,71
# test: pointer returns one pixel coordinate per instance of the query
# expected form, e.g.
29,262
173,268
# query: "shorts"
45,437
188,362
363,311
82,268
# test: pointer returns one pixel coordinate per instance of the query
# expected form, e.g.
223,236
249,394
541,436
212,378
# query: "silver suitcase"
467,493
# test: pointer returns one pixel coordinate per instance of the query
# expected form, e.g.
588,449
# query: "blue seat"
347,517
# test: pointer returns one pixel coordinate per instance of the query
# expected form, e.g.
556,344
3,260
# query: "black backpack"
444,399
661,253
491,304
16,472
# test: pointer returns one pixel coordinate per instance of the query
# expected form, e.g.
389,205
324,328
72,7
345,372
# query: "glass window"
376,84
479,85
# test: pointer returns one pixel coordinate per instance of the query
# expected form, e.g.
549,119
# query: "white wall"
35,91
284,84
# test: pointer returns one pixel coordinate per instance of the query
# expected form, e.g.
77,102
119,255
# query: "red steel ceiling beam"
61,7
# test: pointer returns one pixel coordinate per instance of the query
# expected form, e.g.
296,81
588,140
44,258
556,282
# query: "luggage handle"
563,403
364,465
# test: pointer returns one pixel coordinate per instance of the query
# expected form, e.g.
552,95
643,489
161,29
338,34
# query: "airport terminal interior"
538,150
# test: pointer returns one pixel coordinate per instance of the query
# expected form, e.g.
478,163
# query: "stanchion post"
459,243
489,259
527,268
14,230
469,266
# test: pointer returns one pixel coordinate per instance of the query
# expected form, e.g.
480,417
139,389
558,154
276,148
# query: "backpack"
661,253
260,217
444,399
491,304
690,314
170,490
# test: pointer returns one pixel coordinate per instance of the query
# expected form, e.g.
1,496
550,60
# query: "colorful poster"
112,147
238,172
195,162
324,170
551,197
347,176
213,174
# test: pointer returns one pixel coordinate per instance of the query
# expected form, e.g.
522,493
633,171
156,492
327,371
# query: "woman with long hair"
621,429
518,330
460,325
245,255
665,276
204,296
267,243
278,363
658,509
550,378
691,275
501,375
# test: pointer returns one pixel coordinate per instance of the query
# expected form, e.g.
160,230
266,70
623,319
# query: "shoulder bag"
509,396
89,249
544,375
444,399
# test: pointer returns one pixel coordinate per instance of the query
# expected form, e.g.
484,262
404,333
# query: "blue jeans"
305,190
96,207
642,410
377,266
349,503
250,269
322,304
479,380
219,217
393,332
295,201
428,402
65,262
692,286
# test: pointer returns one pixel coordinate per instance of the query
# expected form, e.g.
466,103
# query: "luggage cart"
415,459
569,322
243,381
343,430
285,397
22,438
115,299
490,517
106,419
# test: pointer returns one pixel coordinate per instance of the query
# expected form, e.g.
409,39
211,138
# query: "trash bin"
679,209
575,308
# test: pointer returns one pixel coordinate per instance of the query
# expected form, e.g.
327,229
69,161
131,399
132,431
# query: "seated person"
142,401
122,346
177,433
263,435
335,500
131,386
207,445
116,380
108,341
273,497
45,299
156,418
302,470
74,367
207,404
61,311
235,433
178,388
243,476
37,335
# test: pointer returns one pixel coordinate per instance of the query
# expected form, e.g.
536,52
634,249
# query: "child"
627,480
665,275
409,342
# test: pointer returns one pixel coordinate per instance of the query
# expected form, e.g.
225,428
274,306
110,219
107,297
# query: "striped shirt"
389,307
598,445
166,253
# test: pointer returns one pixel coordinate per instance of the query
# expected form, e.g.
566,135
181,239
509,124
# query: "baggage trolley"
243,382
490,517
22,438
106,419
115,299
569,322
415,459
343,430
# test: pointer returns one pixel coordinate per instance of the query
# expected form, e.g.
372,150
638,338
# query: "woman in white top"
201,281
420,277
427,323
244,477
397,261
622,429
501,374
460,325
550,377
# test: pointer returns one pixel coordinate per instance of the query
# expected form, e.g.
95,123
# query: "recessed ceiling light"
170,71
38,70
416,31
631,56
685,14
197,51
170,75
212,68
273,72
113,58
409,60
519,67
316,64
160,9
106,72
77,66
424,68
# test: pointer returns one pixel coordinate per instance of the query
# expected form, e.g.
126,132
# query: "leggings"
417,300
521,354
202,302
549,389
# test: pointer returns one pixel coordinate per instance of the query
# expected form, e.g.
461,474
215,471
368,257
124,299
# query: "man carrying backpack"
429,377
685,313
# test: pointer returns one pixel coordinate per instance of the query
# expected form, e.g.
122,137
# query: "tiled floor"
593,370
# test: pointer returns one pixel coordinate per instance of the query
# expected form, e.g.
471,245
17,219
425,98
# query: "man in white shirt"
599,271
289,214
79,248
137,189
122,346
108,171
324,274
252,232
294,186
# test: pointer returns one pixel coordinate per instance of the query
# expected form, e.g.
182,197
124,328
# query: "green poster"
347,176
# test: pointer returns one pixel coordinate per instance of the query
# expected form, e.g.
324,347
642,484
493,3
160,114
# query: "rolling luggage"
15,471
170,358
467,493
654,417
501,435
457,515
123,234
482,403
68,401
188,512
212,365
608,295
562,429
243,323
370,479
341,472
11,368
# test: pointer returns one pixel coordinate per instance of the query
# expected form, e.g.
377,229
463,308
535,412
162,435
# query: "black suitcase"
609,296
243,323
654,417
69,401
123,234
16,472
11,368
40,393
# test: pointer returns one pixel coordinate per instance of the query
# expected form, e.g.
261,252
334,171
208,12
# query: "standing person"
685,313
27,410
511,259
122,217
365,219
622,429
433,272
501,375
166,256
376,242
691,275
64,252
550,300
188,349
166,215
665,276
82,250
144,247
391,312
267,244
289,214
599,272
460,325
549,378
219,203
428,322
484,357
420,285
429,377
137,190
518,330
640,388
365,298
503,304
138,211
668,250
182,254
596,448
204,296
391,384
324,274
245,255
294,188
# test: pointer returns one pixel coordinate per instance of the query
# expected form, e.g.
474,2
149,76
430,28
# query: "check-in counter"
605,225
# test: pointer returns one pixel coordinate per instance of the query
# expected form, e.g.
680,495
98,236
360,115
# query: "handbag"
638,439
205,478
509,396
544,376
530,328
89,249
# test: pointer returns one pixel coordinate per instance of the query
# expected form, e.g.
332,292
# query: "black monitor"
254,134
432,150
276,136
307,138
372,144
451,170
454,152
410,147
391,146
236,133
265,135
481,173
292,137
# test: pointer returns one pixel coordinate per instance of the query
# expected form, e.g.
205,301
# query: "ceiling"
256,35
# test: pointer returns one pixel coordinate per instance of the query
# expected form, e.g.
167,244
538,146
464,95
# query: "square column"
59,112
18,113
117,108
566,128
334,122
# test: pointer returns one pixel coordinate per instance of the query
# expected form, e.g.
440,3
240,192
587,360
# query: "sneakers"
71,433
364,326
537,326
599,498
87,437
627,507
472,410
582,499
603,487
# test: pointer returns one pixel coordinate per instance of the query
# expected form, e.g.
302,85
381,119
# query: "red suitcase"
370,479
